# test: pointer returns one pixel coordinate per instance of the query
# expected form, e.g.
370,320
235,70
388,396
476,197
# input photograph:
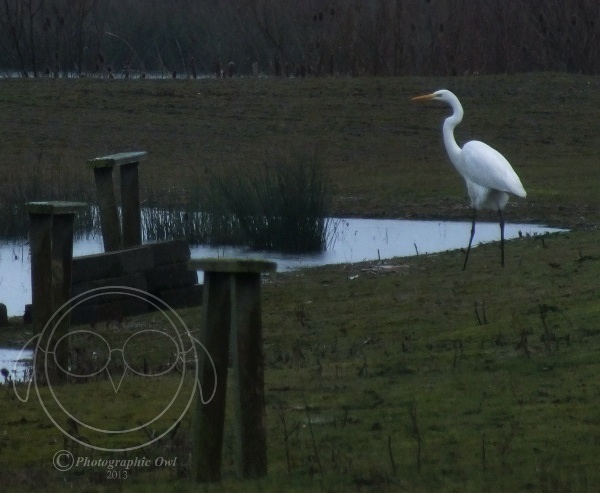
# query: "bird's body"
488,175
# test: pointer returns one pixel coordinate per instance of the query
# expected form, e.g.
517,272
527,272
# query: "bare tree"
319,37
13,23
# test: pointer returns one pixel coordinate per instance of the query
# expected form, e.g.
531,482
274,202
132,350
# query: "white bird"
487,173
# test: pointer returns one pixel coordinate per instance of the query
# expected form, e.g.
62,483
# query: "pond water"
18,371
355,240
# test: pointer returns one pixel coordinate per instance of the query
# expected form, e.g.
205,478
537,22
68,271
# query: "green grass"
365,362
353,355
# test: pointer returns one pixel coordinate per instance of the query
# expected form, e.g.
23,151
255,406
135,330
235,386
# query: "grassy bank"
404,375
408,374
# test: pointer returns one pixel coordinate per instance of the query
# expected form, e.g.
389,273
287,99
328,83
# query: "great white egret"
487,173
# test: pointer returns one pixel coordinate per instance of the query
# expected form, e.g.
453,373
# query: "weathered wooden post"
51,236
107,204
114,236
232,315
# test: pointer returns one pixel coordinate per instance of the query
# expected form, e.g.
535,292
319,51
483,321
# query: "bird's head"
441,95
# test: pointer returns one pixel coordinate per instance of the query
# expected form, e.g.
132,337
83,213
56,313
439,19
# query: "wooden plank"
170,251
107,204
55,207
136,259
117,159
136,280
170,276
112,264
96,266
40,234
209,418
248,365
106,305
130,205
62,255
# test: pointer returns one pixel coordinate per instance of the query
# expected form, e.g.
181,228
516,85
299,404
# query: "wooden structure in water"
231,297
233,322
117,235
158,268
51,236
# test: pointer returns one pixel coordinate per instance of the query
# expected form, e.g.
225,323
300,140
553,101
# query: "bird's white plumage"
477,162
485,166
488,175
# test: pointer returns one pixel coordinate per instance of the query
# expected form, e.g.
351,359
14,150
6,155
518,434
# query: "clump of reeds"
283,206
191,214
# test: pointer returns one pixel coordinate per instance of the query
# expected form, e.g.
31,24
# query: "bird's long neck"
448,130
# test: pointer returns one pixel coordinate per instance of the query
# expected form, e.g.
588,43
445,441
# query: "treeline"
301,37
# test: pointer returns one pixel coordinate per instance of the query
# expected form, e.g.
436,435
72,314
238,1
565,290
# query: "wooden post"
210,418
51,231
107,205
130,205
41,267
232,308
115,234
62,259
248,365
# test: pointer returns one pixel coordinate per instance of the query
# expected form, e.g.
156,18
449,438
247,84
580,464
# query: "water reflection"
15,271
355,240
358,240
15,364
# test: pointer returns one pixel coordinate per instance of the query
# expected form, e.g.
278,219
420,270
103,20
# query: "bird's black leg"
501,237
471,238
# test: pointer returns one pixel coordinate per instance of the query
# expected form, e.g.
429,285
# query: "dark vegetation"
282,206
131,38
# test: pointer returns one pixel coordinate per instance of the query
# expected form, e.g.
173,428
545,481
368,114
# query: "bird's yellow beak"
425,97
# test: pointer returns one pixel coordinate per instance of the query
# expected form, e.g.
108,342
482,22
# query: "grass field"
386,376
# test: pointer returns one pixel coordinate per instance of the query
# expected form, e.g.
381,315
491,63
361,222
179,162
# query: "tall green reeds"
187,214
283,206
